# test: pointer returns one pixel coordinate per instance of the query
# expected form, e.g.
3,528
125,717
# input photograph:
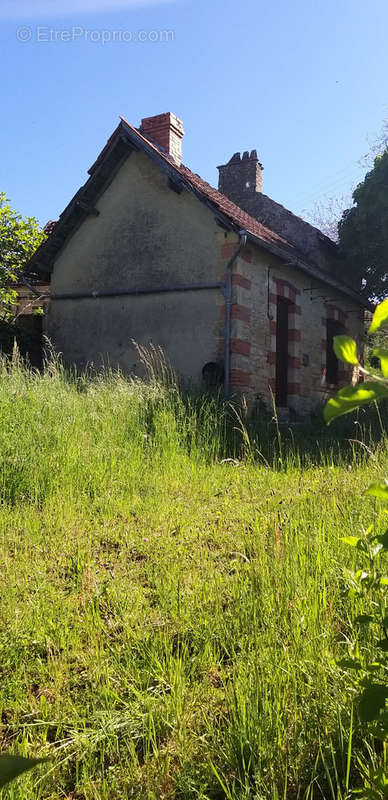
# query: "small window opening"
212,374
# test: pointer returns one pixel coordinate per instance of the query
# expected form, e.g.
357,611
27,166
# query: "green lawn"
171,620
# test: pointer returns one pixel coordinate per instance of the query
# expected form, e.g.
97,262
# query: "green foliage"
368,660
28,343
378,490
382,354
368,653
19,238
380,317
345,349
352,397
363,232
171,602
13,766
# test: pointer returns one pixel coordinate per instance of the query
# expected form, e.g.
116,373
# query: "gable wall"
146,236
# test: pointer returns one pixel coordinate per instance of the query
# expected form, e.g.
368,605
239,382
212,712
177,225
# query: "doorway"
281,381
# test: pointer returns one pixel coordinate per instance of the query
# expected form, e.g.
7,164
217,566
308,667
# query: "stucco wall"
184,325
146,236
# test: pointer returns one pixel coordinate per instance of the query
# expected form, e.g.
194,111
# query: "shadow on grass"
262,438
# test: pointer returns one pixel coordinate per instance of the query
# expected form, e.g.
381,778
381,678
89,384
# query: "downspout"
228,309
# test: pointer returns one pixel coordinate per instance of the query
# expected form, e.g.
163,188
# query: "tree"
367,661
19,238
376,146
363,232
326,213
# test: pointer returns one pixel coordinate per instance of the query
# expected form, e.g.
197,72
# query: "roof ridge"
226,208
179,168
227,205
298,217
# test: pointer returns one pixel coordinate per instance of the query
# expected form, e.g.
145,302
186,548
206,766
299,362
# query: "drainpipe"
228,309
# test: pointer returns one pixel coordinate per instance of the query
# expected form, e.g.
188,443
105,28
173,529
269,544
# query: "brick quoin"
286,289
239,280
283,282
271,357
221,347
240,346
229,248
246,255
334,312
242,313
238,377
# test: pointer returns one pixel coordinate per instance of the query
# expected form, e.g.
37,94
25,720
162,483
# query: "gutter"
180,287
228,309
314,272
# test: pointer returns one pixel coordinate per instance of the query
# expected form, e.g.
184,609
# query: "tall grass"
172,600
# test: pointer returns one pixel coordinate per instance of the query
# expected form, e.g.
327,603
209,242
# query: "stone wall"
260,280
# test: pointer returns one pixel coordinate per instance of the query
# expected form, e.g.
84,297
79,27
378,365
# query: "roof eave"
135,141
314,272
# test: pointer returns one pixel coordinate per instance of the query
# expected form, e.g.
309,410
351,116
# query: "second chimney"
165,130
240,179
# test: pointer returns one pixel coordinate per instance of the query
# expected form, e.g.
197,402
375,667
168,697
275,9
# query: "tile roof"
220,201
126,134
50,226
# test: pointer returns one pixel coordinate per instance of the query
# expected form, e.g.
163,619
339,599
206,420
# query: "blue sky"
303,82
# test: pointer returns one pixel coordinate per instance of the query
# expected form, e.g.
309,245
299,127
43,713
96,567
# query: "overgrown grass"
172,600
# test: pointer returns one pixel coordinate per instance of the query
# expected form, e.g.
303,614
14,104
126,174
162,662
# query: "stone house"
234,287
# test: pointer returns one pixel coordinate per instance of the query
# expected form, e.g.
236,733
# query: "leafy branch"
368,660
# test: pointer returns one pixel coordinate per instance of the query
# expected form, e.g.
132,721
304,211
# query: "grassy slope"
166,616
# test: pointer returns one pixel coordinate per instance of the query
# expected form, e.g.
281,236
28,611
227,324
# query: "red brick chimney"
165,130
